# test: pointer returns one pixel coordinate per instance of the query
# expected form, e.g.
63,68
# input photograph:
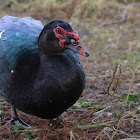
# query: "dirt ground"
101,113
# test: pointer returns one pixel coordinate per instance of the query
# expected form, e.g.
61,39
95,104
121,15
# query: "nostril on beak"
87,53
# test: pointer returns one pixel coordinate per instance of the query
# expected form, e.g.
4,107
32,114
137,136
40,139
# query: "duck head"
57,36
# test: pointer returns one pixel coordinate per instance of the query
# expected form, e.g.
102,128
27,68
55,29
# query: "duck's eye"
74,42
58,31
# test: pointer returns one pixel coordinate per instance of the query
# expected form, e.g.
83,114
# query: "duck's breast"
57,86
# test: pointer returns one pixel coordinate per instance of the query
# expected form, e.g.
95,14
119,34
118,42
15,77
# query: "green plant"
32,135
132,97
20,127
97,107
81,103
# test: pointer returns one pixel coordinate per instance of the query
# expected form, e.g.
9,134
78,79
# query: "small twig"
107,124
104,130
131,113
131,136
120,118
108,89
114,73
72,137
96,125
92,78
30,130
77,110
90,114
117,83
124,16
97,113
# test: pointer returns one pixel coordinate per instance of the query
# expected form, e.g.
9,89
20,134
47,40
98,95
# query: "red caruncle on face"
69,40
63,35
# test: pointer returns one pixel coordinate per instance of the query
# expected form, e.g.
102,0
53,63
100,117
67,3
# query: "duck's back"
18,38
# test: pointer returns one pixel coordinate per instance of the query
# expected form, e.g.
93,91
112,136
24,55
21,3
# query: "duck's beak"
78,49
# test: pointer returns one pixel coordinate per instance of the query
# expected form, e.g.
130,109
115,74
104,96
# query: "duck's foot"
18,122
56,122
15,121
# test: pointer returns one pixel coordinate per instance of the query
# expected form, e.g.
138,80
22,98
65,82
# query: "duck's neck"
45,59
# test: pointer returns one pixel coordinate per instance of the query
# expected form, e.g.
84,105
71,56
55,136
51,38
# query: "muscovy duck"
40,72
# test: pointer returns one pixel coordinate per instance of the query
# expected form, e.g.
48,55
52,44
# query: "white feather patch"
1,33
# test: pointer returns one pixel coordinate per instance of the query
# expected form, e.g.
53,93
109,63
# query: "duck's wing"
18,38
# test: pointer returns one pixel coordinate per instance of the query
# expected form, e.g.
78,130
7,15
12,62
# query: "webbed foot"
18,122
15,121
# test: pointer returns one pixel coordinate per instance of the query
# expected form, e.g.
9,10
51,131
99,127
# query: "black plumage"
45,79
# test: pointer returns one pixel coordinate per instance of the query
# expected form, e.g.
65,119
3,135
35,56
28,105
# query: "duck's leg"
15,120
13,112
59,120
